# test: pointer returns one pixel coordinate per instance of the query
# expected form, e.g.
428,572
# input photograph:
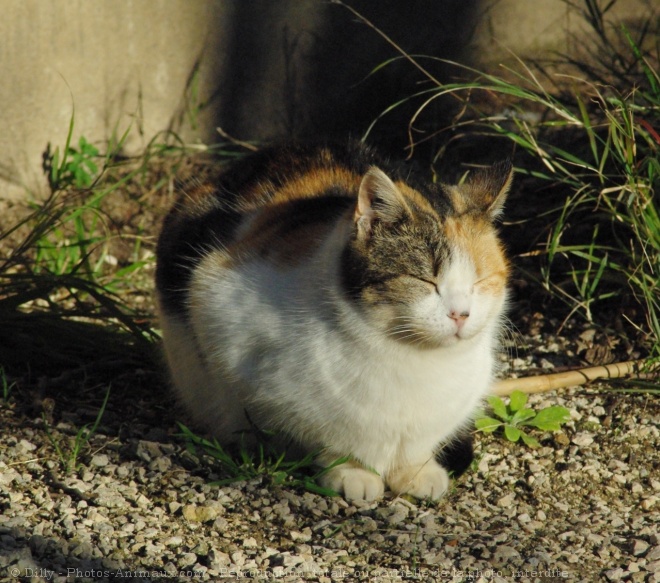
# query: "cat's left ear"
487,188
379,199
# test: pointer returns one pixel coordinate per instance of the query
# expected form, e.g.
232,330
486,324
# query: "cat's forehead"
443,236
430,202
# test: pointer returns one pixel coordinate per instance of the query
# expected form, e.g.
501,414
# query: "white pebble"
653,554
639,547
26,445
614,574
100,460
583,439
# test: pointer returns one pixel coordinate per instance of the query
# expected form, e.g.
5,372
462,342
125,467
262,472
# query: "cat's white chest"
304,362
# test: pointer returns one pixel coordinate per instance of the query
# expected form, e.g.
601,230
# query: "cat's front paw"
354,482
429,480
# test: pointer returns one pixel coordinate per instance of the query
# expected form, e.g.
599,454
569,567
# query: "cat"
319,291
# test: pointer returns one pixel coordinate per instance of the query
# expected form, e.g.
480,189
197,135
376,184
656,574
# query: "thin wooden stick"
236,141
571,378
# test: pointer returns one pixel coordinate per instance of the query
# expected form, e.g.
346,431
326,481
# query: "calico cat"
315,291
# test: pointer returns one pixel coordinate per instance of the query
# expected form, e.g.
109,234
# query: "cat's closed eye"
432,285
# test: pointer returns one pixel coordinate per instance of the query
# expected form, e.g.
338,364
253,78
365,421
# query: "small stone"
202,549
218,559
403,540
304,536
614,574
653,554
639,547
148,451
26,445
483,463
506,501
174,541
289,560
583,439
110,499
100,460
250,543
649,502
122,472
188,560
206,513
160,464
506,552
546,364
189,512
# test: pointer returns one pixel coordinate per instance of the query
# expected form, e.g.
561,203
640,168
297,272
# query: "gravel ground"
583,507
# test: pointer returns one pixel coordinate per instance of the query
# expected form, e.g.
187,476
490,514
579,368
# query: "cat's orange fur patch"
306,185
273,221
476,237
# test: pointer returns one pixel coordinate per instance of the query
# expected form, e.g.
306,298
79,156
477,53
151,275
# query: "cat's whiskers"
509,331
407,331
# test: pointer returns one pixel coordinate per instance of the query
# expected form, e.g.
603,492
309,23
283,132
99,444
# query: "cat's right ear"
378,200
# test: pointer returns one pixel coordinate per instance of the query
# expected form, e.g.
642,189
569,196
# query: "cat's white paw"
354,482
429,480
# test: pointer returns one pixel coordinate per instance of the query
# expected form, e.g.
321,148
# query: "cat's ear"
487,188
379,199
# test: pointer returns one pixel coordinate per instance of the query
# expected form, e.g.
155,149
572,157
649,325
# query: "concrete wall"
258,68
113,62
533,27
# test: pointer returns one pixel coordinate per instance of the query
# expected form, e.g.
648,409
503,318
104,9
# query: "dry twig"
572,378
236,141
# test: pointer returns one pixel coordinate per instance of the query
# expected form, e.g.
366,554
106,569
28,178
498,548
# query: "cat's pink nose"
460,317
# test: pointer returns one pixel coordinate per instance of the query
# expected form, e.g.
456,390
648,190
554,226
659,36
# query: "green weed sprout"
69,456
266,462
71,166
512,418
5,385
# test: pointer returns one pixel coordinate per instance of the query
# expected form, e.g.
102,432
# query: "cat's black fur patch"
457,456
188,238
